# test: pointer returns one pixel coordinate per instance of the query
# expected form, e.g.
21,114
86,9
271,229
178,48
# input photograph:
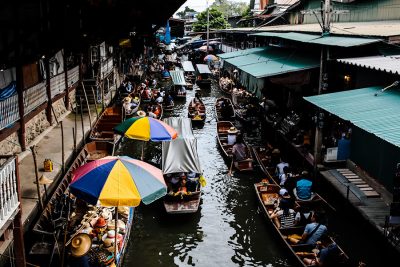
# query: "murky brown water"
228,229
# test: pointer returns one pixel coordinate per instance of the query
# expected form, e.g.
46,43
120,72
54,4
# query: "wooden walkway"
361,194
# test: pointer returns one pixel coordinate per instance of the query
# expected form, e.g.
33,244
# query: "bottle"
48,165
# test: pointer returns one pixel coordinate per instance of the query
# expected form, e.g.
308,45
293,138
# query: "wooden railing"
57,84
9,111
106,67
8,190
34,97
73,76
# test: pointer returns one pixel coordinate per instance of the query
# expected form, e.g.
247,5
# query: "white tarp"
178,77
180,155
203,69
187,66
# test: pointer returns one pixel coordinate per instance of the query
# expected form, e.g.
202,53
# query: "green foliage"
229,8
217,21
182,13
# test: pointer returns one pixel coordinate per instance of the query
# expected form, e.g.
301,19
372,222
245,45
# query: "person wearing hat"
100,227
232,132
80,246
141,113
128,105
109,241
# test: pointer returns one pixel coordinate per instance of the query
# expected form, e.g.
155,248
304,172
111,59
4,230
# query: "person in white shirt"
232,132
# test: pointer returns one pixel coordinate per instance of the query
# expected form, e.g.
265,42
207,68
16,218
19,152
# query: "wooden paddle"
230,169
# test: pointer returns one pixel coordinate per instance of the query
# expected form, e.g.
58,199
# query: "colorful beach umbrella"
118,181
210,58
145,129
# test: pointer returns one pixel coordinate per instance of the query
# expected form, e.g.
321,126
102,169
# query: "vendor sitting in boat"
192,181
129,105
182,190
232,132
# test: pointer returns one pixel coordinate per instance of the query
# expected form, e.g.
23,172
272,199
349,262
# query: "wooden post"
62,148
33,149
18,229
74,138
88,107
21,108
83,126
95,102
66,82
48,91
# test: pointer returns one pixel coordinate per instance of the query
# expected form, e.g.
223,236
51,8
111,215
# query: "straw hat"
43,180
141,113
232,130
124,211
80,245
276,151
284,193
127,99
120,224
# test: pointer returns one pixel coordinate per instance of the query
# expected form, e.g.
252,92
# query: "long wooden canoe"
201,116
266,195
222,135
219,113
103,130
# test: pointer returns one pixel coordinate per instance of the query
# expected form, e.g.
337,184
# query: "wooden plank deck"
371,206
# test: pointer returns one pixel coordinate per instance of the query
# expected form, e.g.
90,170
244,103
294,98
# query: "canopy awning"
240,52
390,64
187,66
203,69
329,40
273,61
178,77
377,114
180,155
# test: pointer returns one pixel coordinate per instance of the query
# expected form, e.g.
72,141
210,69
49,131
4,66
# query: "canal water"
228,229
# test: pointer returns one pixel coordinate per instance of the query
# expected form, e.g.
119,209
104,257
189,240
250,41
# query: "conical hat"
44,180
80,245
141,113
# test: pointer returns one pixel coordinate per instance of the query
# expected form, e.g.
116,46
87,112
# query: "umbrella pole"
116,235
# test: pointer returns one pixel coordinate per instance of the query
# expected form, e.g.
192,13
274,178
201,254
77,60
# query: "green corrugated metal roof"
273,61
378,115
178,77
240,52
329,40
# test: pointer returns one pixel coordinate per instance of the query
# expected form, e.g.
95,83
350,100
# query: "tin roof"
368,108
342,41
390,64
178,77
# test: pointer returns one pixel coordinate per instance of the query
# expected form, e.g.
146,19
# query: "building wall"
374,155
366,10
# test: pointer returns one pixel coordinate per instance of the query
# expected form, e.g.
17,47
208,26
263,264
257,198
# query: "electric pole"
208,25
326,20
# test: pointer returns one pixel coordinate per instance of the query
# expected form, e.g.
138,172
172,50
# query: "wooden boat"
222,135
103,130
178,91
204,76
180,155
57,214
219,115
133,111
267,195
197,116
225,89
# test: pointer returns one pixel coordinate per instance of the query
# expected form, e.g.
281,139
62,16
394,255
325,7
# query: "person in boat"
182,190
303,189
232,134
156,111
239,151
146,94
327,253
284,216
150,113
128,105
192,181
197,97
173,183
169,100
226,109
284,176
181,90
279,167
303,215
312,232
159,98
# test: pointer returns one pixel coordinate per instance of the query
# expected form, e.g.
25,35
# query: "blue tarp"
8,91
167,39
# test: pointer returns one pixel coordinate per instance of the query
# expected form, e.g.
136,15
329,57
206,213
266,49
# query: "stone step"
358,182
362,185
351,176
355,179
339,170
366,189
371,194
